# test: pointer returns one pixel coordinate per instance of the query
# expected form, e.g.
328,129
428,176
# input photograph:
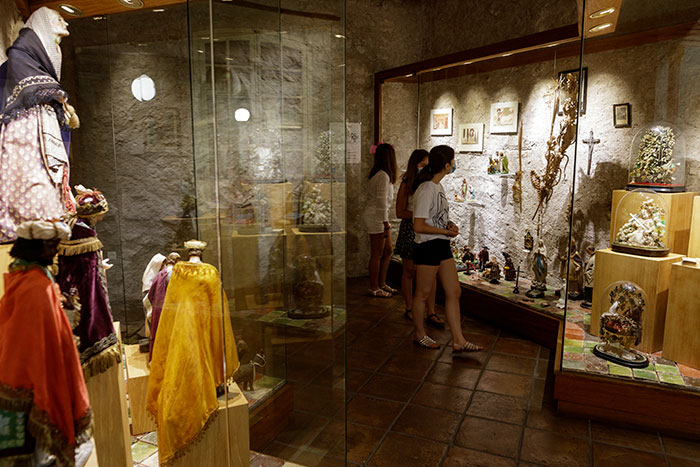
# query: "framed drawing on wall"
441,122
584,90
622,115
471,137
504,117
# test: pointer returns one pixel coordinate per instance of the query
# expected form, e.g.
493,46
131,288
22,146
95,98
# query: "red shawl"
40,370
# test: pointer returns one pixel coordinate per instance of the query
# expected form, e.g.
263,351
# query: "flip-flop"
391,290
426,342
381,293
466,348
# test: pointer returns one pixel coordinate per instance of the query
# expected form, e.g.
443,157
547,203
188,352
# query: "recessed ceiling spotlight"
467,63
601,13
340,36
552,45
98,18
158,10
132,3
70,9
600,27
507,55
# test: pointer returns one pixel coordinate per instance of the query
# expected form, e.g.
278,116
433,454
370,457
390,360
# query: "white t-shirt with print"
430,203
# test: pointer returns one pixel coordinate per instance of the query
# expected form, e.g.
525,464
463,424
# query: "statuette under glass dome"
657,159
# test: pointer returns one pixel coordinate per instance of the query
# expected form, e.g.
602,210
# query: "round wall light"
70,9
143,88
601,13
600,27
242,114
132,3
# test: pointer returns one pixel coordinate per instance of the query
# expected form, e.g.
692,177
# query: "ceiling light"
467,63
552,45
242,114
158,10
143,88
600,27
507,55
200,51
132,3
340,36
70,9
98,18
601,13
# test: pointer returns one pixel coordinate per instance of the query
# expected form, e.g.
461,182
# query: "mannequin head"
37,241
195,249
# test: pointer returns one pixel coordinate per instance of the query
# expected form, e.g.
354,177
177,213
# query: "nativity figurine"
588,276
307,291
644,232
575,274
509,267
483,257
539,284
493,272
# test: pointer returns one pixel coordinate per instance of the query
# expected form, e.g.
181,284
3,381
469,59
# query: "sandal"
435,321
391,290
426,342
380,293
466,348
408,314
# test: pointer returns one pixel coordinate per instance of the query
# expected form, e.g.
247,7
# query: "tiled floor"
413,407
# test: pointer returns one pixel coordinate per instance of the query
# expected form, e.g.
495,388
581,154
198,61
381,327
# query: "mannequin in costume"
188,354
35,123
44,405
80,266
156,296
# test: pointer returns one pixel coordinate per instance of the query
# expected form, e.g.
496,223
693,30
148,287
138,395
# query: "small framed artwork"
471,137
504,117
622,115
441,122
584,90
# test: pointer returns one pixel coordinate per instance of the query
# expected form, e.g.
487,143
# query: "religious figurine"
509,268
457,255
461,195
323,154
516,289
621,326
588,274
44,405
472,195
483,257
643,232
493,165
156,296
493,273
528,242
504,164
35,125
468,259
575,274
316,214
539,284
654,164
81,266
307,291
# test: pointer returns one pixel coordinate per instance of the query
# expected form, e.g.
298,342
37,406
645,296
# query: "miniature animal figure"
245,376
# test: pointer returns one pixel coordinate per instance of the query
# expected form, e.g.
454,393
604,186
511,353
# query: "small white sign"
353,143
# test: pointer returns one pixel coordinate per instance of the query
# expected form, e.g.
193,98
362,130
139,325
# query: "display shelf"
694,243
331,324
137,372
681,336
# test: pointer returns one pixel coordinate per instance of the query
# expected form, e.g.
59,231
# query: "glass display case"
640,224
658,159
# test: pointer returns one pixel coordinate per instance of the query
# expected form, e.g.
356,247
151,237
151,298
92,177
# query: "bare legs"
425,280
379,256
409,272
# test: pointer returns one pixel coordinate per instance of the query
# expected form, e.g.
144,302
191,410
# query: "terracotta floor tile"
678,447
548,419
373,412
408,349
498,407
461,457
442,397
406,366
390,387
376,343
688,371
543,367
615,456
484,340
363,360
361,442
505,383
453,375
490,436
479,327
511,364
399,450
275,452
547,448
678,462
301,429
468,360
426,422
520,347
544,353
539,394
626,438
329,436
320,399
356,378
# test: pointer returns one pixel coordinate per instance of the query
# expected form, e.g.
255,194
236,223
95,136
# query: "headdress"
43,230
90,202
50,27
195,245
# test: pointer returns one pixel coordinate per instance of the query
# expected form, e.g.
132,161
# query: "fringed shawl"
188,357
41,372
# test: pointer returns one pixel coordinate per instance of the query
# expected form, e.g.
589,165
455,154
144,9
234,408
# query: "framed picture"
622,115
441,122
584,89
504,117
471,137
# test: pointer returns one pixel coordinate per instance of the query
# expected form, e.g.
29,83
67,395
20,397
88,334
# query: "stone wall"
10,24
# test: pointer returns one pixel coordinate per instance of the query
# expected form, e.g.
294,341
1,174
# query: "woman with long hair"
404,242
380,194
432,254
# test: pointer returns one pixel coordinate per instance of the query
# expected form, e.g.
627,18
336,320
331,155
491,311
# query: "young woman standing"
380,194
432,254
404,242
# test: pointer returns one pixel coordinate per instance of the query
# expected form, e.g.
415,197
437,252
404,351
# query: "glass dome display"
622,306
657,159
640,224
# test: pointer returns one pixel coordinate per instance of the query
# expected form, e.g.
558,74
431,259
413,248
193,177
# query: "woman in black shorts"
404,242
431,252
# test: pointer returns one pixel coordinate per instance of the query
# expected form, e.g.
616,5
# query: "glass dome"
640,224
621,307
657,159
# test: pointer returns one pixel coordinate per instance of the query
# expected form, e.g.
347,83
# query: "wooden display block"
5,261
107,393
651,274
682,333
679,208
229,428
694,244
137,373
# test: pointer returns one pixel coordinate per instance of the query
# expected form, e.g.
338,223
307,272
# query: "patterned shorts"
404,242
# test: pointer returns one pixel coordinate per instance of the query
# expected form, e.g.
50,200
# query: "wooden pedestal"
229,428
5,260
682,333
694,244
651,274
679,207
137,373
111,421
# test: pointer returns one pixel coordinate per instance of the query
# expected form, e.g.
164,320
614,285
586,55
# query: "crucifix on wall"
591,142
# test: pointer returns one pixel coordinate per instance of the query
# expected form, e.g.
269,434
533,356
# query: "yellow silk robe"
188,356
